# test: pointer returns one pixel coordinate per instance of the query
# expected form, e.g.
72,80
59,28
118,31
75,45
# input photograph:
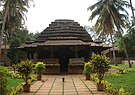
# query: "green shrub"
32,78
112,74
109,88
17,90
25,68
122,70
94,78
14,67
101,65
15,75
123,92
40,68
87,68
3,80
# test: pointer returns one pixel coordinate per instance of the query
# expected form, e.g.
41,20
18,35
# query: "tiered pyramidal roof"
64,32
63,29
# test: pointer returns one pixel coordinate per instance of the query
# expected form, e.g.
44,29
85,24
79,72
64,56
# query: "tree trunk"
114,57
124,47
3,25
5,52
1,35
126,53
132,9
123,43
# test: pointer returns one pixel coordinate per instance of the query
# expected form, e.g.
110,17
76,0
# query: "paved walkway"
73,85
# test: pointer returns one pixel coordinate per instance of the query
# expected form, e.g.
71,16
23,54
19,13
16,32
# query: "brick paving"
73,85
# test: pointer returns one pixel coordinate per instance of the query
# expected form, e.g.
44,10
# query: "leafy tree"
111,15
129,39
11,54
13,15
32,36
20,55
36,35
23,35
16,40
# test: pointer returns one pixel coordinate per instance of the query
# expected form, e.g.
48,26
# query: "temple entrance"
64,54
63,64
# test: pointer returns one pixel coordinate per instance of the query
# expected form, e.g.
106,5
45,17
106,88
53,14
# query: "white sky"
46,11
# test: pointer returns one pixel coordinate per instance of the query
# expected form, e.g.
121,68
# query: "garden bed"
126,81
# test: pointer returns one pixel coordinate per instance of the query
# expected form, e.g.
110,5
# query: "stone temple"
64,47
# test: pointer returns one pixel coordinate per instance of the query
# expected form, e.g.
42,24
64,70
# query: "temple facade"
64,47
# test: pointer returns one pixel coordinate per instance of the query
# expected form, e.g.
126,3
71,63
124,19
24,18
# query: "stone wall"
126,62
75,65
52,66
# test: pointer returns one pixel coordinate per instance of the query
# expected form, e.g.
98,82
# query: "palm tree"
13,16
110,19
132,9
104,27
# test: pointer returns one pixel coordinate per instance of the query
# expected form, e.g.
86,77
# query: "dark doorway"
64,53
64,64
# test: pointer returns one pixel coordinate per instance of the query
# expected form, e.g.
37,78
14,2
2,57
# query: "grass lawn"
13,83
127,81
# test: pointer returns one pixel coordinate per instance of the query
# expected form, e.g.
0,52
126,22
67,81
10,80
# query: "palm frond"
99,3
94,14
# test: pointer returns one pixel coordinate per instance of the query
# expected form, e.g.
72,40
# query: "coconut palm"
132,9
110,18
104,27
13,16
